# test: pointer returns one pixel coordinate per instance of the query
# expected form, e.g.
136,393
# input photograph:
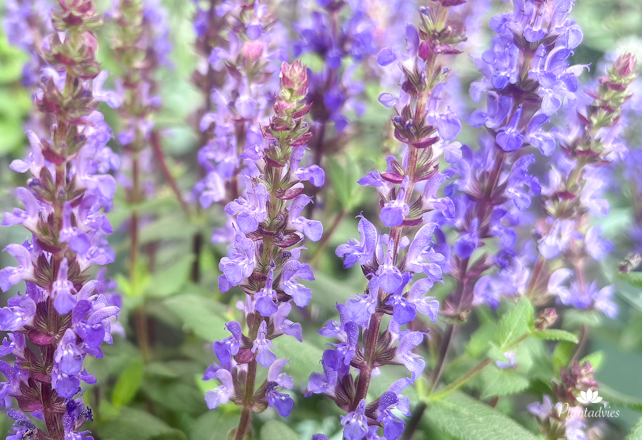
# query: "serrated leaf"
344,181
514,323
465,418
169,280
633,278
496,354
134,424
275,429
214,425
556,335
128,383
304,357
618,400
636,432
498,382
200,314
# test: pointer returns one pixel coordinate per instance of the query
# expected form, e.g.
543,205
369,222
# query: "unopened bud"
252,50
546,318
625,65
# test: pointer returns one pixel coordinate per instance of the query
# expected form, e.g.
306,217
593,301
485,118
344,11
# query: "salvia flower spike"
63,315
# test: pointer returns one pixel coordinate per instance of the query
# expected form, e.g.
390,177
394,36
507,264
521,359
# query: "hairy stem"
370,344
326,237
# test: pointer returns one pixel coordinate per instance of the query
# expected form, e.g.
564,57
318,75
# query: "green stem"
471,373
326,237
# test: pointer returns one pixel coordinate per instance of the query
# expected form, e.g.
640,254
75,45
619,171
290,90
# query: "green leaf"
168,281
277,430
574,318
465,418
562,354
556,335
633,278
304,357
344,181
214,425
514,323
134,424
479,341
618,400
636,432
199,314
498,382
596,359
128,383
496,354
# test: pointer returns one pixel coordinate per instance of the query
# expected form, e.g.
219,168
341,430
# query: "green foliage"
465,418
128,383
277,430
343,178
636,432
199,314
214,425
304,357
556,335
135,424
498,382
514,323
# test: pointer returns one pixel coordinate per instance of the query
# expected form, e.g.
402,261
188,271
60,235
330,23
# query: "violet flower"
263,261
390,261
495,185
64,316
574,192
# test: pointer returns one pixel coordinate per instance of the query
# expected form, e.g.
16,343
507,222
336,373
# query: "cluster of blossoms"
263,262
575,190
563,417
343,43
62,317
391,260
232,134
526,79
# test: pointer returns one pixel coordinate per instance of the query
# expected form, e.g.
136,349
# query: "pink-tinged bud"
425,51
546,318
90,42
625,65
294,76
280,106
252,50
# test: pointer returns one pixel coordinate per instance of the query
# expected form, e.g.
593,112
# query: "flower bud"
252,50
625,65
546,318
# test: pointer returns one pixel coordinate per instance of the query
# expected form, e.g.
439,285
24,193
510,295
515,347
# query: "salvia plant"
63,316
479,280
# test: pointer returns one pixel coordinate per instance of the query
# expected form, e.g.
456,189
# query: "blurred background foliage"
161,397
